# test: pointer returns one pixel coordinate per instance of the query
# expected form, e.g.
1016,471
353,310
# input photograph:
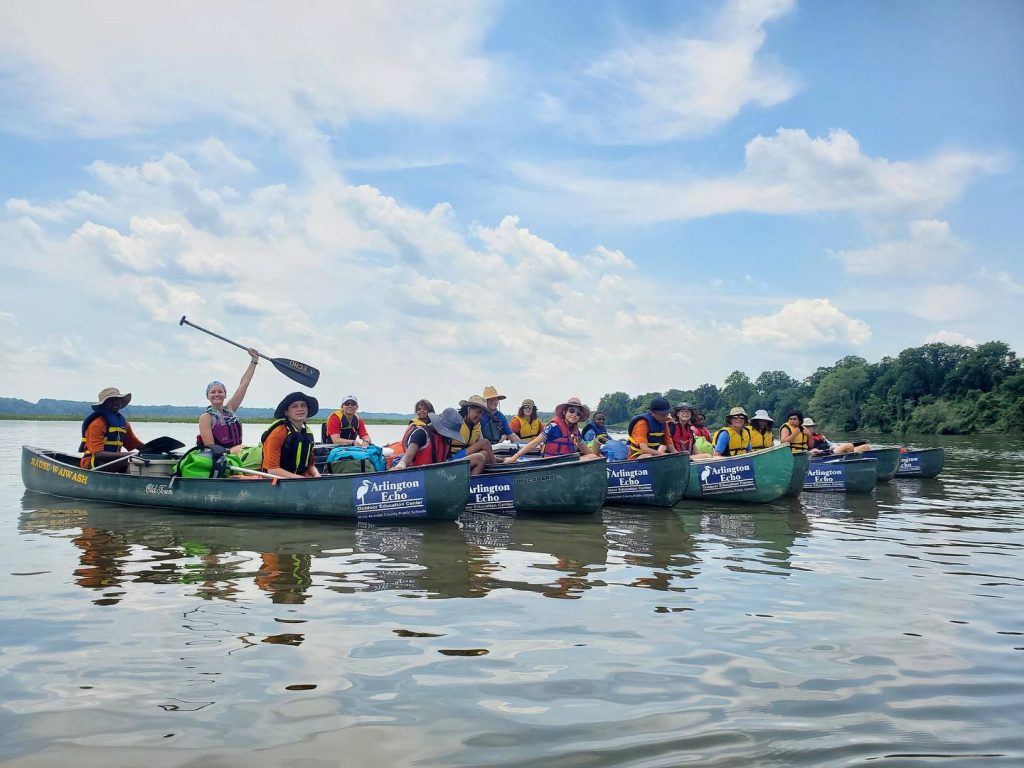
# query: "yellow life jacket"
757,440
738,441
799,442
526,429
469,436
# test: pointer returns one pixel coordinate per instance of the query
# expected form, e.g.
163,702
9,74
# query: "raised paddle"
294,370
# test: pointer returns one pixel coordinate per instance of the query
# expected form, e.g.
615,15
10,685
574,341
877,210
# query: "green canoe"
801,461
758,476
436,492
888,461
554,486
655,481
848,473
923,462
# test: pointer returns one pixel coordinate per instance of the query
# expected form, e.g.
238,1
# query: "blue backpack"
615,450
358,456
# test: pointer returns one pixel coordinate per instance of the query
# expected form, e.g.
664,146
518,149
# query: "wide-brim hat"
738,411
294,397
809,422
762,415
528,401
683,407
448,423
561,408
112,393
474,400
490,392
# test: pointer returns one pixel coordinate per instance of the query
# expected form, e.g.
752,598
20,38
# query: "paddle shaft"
256,472
129,455
183,321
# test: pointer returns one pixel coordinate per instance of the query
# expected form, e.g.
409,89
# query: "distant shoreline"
187,420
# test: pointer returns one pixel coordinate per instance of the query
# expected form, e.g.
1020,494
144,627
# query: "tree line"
933,389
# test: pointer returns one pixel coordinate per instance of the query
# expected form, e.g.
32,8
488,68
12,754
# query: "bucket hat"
738,411
762,415
111,393
294,397
528,401
474,400
490,392
683,407
448,423
575,401
809,422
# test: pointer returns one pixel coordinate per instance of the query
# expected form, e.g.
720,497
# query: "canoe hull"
842,475
926,462
656,481
544,487
801,461
757,477
888,462
436,492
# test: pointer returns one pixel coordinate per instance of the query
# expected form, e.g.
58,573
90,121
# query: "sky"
557,199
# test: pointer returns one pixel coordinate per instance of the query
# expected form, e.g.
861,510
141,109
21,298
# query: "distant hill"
76,409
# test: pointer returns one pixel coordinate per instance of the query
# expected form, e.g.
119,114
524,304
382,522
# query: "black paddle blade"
296,371
161,445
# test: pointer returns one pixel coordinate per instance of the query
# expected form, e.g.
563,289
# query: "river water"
882,630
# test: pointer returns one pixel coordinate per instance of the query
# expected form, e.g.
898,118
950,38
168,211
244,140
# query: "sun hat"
738,411
762,415
572,401
353,398
809,422
476,401
448,423
683,407
528,401
659,405
294,397
490,392
111,393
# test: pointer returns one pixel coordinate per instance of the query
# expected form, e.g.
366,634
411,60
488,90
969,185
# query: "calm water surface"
885,630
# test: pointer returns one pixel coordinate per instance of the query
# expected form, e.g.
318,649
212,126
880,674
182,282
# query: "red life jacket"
563,444
682,437
437,450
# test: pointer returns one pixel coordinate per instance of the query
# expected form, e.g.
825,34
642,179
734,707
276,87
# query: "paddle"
161,445
294,370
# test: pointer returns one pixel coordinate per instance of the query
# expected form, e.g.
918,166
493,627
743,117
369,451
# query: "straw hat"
448,423
490,392
528,401
738,411
112,393
561,408
474,400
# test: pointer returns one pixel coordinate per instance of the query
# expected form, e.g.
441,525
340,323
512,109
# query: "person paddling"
562,434
218,424
288,442
431,443
106,433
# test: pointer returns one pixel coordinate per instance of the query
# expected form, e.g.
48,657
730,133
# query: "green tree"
839,396
615,407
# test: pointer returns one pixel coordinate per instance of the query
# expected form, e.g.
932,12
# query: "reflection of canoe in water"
801,461
655,481
847,473
888,460
923,462
555,486
437,491
758,476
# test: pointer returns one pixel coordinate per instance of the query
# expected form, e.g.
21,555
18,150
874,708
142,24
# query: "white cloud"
951,337
805,323
327,64
1006,280
942,303
929,246
678,85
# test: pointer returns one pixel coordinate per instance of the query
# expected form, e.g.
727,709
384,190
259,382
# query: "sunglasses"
577,411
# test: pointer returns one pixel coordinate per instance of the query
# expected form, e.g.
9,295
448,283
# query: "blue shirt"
494,424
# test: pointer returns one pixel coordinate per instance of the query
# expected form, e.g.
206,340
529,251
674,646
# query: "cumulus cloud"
929,246
942,303
950,337
326,65
805,323
678,85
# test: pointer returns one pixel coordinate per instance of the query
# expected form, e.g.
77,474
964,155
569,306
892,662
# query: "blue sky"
555,198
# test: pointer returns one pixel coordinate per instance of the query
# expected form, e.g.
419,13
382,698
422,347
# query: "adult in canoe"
562,434
493,425
595,429
794,433
471,439
106,433
218,424
734,438
761,431
526,425
648,432
432,443
288,442
344,427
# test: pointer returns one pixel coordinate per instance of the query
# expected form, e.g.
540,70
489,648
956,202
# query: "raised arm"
243,385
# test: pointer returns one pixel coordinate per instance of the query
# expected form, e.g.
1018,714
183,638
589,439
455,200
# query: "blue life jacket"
117,429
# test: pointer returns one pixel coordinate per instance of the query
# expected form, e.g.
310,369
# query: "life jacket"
526,429
413,425
758,440
682,437
738,441
598,432
469,436
701,432
799,442
437,450
490,427
297,449
349,427
565,442
655,434
819,442
117,431
227,429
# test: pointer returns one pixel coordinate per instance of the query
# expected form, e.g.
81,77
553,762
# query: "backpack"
205,462
615,450
350,460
